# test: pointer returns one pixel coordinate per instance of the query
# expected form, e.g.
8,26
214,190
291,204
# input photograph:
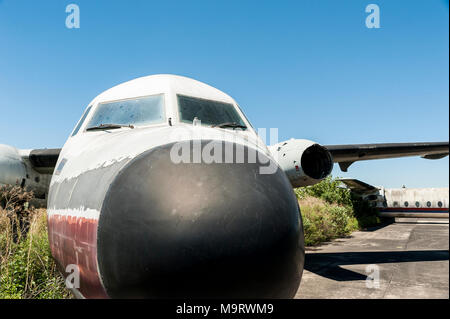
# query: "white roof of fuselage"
162,83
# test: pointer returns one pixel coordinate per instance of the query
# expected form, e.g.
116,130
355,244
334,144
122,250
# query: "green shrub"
328,190
323,221
330,211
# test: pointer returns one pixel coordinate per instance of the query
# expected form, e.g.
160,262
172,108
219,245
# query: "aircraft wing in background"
44,160
345,155
358,186
32,169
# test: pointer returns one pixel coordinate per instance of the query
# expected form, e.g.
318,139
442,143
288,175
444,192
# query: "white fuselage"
102,169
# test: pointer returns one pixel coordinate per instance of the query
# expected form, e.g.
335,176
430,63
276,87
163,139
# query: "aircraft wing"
358,186
345,155
43,160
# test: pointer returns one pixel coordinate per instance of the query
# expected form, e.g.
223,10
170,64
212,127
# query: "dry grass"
311,201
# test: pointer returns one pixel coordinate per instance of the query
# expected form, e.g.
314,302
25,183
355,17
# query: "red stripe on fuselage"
73,240
415,209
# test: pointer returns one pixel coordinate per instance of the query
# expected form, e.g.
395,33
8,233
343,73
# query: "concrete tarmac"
410,258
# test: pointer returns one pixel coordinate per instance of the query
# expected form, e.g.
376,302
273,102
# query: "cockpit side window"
207,111
81,121
136,111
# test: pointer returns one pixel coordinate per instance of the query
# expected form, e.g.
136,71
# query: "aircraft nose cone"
198,230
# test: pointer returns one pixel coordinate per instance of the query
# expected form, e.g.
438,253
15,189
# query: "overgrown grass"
329,212
27,269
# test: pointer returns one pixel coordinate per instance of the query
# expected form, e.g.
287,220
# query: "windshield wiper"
230,124
107,126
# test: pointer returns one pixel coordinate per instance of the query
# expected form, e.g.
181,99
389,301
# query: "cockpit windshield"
209,112
137,111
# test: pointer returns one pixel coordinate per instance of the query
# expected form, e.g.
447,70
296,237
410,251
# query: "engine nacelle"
304,162
12,167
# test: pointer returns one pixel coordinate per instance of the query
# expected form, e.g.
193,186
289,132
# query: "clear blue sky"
310,68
